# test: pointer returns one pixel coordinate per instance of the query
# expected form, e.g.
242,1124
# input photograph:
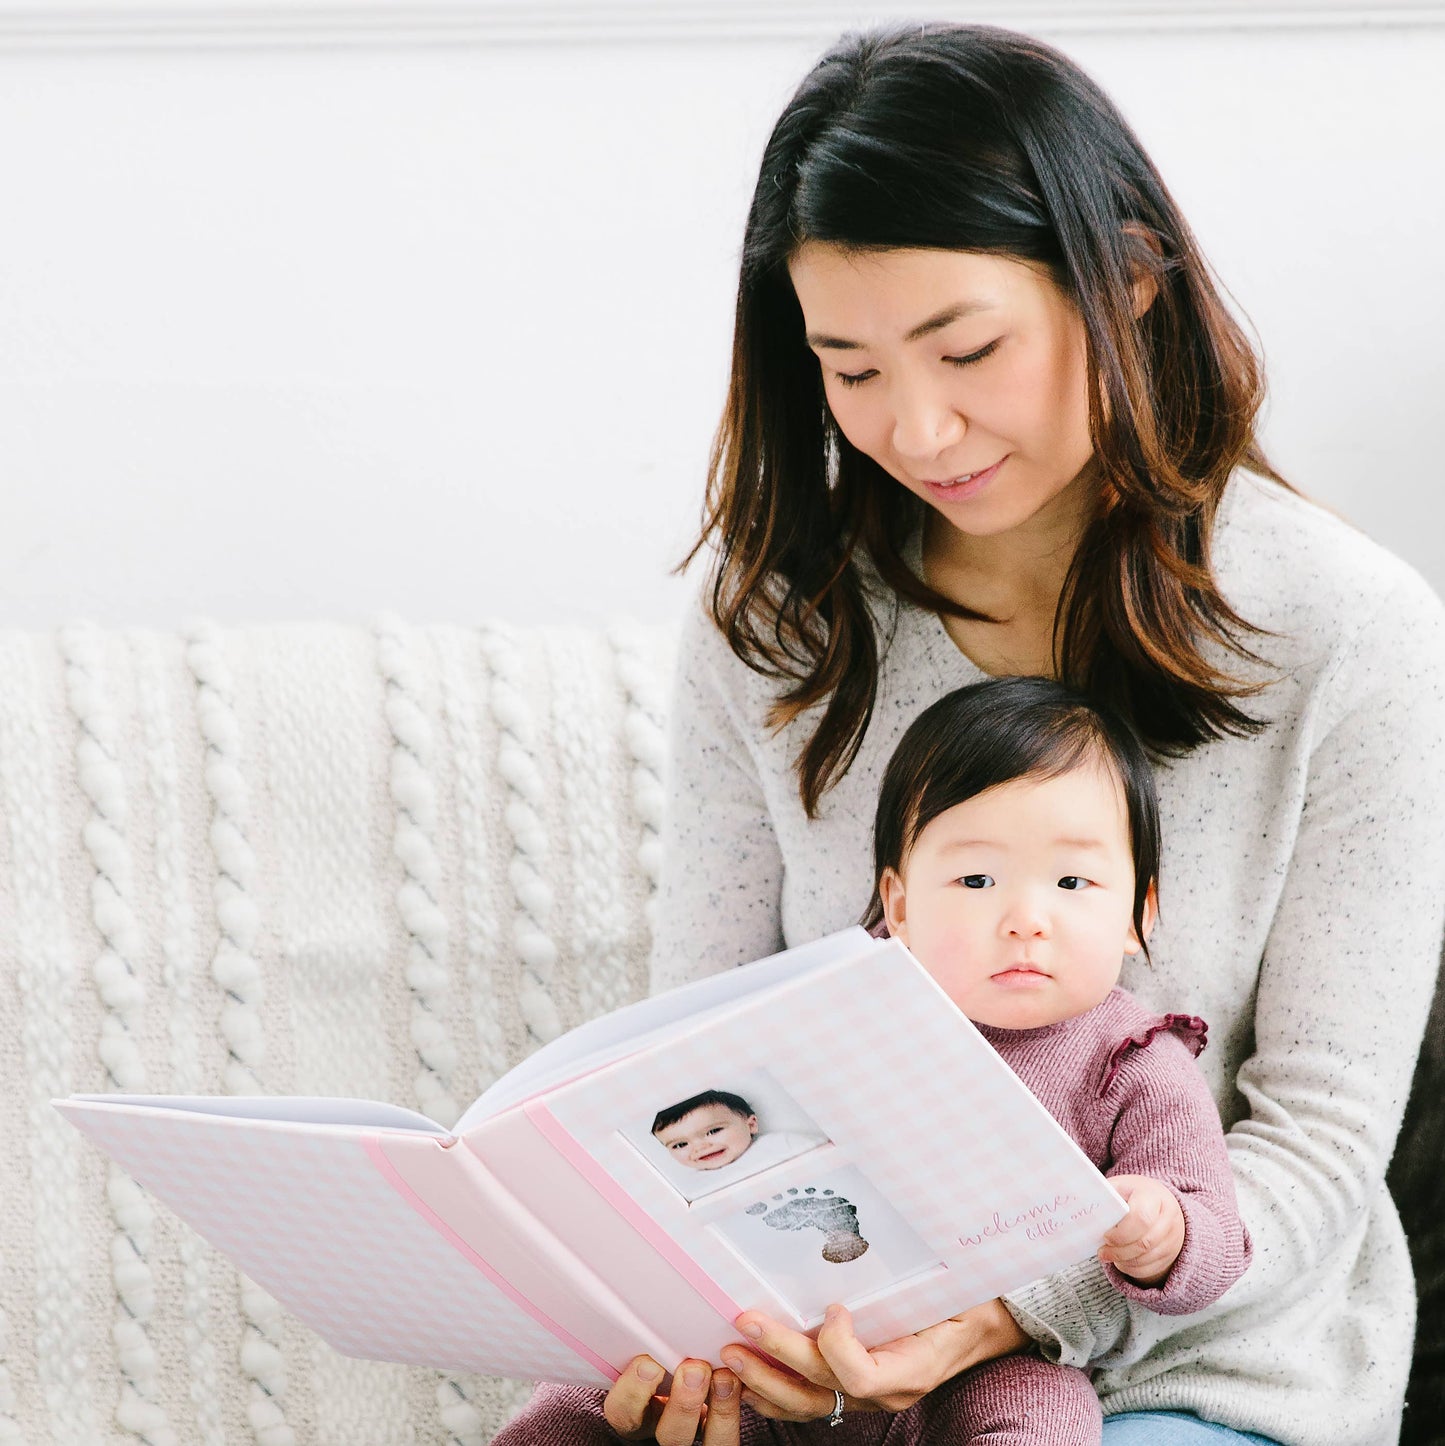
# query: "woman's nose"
925,425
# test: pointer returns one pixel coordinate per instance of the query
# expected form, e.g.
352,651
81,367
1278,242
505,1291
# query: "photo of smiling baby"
713,1138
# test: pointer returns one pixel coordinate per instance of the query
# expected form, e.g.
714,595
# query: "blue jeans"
1170,1428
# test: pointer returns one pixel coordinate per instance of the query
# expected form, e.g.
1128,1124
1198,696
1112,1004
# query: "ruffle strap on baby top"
1189,1027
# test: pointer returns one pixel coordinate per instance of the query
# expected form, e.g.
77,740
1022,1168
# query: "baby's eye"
1073,881
976,881
678,1145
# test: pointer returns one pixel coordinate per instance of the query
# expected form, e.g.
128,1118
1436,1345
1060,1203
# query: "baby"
1016,853
712,1131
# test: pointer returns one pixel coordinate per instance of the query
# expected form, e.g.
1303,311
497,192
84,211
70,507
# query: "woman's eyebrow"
936,322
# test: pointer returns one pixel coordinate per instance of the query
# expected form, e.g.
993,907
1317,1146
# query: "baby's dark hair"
992,733
673,1113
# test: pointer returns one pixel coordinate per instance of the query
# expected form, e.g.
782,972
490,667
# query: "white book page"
626,1030
292,1109
588,1047
944,1181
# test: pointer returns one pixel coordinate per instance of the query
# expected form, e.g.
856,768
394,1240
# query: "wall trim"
167,24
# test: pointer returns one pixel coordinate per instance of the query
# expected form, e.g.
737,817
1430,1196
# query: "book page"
941,1181
296,1109
636,1026
306,1211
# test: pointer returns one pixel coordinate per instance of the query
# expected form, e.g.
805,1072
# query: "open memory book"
858,1141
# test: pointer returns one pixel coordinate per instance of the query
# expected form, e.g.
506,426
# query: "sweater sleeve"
719,894
1166,1126
1344,986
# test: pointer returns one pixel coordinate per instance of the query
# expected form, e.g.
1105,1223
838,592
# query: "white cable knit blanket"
315,859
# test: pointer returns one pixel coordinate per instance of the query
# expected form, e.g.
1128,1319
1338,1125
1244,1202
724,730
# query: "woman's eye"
976,881
973,356
1073,881
854,379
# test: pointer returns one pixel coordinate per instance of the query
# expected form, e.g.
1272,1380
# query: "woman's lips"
955,490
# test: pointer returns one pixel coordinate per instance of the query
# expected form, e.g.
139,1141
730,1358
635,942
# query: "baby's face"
709,1137
1020,901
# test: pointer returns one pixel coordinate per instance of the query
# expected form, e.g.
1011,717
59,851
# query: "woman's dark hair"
680,1111
972,138
995,732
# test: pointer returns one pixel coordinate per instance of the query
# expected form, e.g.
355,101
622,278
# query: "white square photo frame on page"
756,1169
928,1178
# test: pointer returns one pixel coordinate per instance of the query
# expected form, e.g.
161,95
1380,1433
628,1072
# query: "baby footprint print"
814,1209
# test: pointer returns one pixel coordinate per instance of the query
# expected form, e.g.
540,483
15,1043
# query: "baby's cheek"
946,952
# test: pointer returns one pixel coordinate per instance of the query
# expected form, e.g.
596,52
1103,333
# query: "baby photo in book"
718,1137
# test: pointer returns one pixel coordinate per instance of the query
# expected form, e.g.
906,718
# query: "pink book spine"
461,1198
556,1181
556,1134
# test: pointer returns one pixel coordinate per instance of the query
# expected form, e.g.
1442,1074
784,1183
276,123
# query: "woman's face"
963,375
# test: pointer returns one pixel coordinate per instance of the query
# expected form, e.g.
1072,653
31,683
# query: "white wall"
308,331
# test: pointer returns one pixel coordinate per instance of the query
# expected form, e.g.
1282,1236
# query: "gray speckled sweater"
1302,890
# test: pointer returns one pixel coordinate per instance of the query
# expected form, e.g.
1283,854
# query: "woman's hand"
700,1397
799,1382
1147,1241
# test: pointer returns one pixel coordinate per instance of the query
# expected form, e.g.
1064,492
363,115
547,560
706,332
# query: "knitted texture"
320,859
1017,1401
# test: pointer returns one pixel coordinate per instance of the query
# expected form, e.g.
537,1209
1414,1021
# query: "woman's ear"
1146,281
890,891
1151,915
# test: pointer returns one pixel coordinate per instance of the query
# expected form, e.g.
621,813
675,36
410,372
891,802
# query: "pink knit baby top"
1123,1083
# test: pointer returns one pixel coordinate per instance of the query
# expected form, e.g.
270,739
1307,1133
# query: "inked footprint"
814,1209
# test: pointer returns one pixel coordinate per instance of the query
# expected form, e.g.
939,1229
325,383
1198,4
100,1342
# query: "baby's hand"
1147,1241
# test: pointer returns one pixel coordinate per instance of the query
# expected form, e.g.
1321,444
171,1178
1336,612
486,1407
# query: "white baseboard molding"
166,24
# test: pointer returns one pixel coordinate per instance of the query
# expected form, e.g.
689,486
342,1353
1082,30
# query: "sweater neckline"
946,653
1059,1029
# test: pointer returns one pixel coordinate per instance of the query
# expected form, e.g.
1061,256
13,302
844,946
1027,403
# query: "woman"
989,415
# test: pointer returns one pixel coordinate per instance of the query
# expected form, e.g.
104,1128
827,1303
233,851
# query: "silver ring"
836,1419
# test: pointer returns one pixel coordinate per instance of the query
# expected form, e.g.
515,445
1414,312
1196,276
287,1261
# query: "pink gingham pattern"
909,1093
304,1212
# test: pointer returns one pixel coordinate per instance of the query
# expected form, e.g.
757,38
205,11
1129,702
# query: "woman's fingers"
630,1407
682,1415
724,1413
848,1360
776,1392
790,1348
892,1376
637,1414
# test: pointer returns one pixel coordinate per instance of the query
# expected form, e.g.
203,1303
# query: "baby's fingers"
1133,1231
1146,1203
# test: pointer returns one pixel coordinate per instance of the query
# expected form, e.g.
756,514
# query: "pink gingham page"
311,1213
923,1176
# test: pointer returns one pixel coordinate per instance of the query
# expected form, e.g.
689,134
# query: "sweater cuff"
1214,1256
1073,1317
